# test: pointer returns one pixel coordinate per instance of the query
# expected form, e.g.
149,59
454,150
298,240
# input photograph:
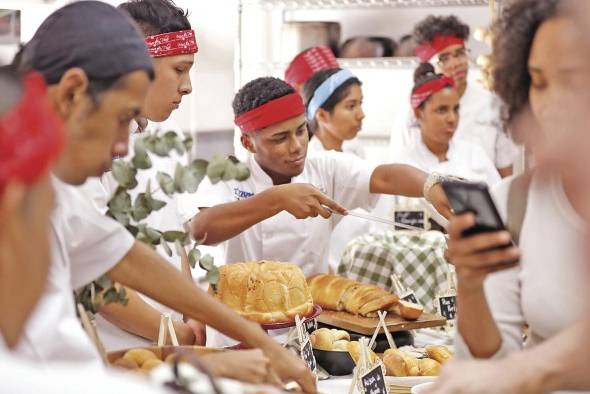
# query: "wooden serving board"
367,325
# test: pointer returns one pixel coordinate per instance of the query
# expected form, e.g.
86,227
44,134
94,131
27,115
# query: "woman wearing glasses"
441,42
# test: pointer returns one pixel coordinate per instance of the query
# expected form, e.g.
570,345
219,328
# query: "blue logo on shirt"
240,194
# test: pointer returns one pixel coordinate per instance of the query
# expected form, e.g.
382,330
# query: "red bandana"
172,44
273,112
428,50
422,93
308,63
31,134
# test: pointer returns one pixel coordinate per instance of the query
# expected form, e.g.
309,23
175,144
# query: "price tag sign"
310,325
373,382
410,297
415,218
307,355
447,306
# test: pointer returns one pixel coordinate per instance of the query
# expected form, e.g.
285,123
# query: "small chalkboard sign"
414,218
373,382
447,306
410,297
310,325
307,355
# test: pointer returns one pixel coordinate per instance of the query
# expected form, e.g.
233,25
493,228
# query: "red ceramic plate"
316,311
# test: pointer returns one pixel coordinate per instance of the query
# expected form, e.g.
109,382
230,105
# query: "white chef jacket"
22,376
342,177
353,146
85,245
479,123
166,219
349,227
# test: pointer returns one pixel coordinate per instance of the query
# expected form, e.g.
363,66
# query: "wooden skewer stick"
92,334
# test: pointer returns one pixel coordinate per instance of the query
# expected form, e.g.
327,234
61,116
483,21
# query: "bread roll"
340,335
340,346
429,367
126,363
439,353
394,365
266,291
410,362
139,356
409,310
151,364
326,339
354,348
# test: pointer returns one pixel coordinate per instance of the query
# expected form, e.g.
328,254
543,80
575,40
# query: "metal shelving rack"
282,7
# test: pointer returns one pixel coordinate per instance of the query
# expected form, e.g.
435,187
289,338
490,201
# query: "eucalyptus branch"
132,214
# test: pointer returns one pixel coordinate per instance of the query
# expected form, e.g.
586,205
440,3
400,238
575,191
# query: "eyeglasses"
460,54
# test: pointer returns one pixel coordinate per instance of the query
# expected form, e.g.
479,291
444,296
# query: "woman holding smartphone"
537,77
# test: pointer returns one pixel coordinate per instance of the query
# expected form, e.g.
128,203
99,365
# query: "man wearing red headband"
258,217
441,41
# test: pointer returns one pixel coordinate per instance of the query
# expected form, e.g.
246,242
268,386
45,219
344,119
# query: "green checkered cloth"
416,257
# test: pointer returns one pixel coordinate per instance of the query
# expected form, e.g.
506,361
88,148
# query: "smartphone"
475,198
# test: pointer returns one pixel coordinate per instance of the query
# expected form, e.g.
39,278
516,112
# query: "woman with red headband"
441,42
435,102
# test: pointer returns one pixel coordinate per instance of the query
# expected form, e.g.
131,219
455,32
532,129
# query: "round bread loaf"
265,291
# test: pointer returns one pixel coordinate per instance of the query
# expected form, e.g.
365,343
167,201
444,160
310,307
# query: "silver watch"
433,179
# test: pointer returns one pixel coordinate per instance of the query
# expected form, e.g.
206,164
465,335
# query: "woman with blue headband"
333,100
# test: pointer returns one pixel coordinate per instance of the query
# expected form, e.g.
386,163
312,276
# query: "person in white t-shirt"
284,210
441,42
31,137
545,88
97,104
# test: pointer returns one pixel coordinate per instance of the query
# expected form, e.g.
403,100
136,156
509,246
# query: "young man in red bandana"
442,42
259,217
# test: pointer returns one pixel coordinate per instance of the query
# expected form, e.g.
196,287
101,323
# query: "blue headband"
325,90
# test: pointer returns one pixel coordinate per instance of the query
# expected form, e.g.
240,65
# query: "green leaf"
185,180
125,174
172,236
243,172
161,147
230,171
206,262
166,247
188,144
193,257
142,237
166,183
121,201
213,276
148,189
141,208
110,296
179,147
120,217
153,235
156,205
132,229
141,158
216,168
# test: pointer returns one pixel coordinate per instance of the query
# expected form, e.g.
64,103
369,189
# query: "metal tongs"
376,219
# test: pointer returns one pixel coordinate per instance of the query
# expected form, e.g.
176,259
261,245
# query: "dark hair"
386,43
11,86
422,75
259,92
339,94
426,30
514,33
157,16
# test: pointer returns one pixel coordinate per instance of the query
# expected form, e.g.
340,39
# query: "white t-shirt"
340,176
548,290
85,245
166,219
479,123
